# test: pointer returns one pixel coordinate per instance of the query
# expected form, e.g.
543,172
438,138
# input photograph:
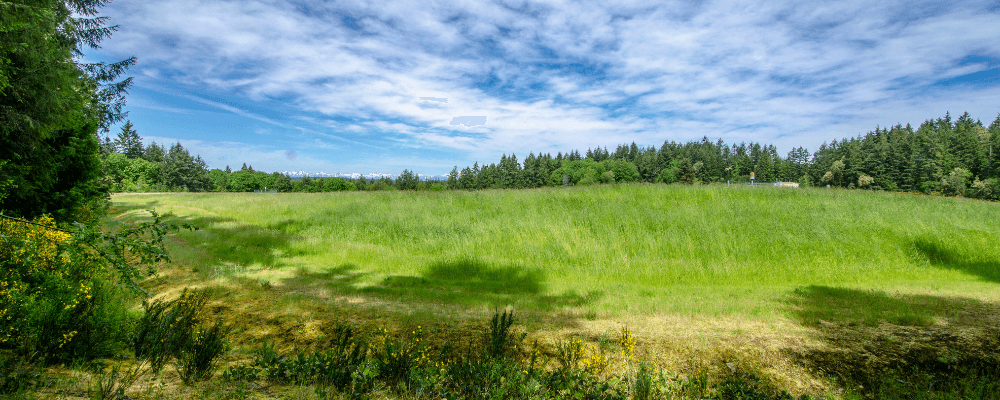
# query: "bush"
171,330
337,366
16,375
63,295
167,328
500,339
197,361
395,357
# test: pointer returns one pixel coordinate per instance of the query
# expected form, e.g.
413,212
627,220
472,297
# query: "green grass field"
606,250
795,281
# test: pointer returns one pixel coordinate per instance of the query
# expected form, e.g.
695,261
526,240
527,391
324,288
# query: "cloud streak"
555,76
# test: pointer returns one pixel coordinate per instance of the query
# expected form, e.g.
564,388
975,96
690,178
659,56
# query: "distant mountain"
371,176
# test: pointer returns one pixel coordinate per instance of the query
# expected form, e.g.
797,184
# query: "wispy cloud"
561,75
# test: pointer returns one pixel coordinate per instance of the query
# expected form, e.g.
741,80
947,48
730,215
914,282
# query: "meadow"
754,271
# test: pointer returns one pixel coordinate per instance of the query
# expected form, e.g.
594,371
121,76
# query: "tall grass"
620,248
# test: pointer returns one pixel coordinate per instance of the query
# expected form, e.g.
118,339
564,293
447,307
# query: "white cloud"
562,75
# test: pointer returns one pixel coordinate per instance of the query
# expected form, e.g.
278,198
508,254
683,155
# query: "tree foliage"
52,105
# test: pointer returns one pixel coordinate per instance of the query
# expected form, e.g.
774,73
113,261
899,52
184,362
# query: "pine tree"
129,142
52,106
453,178
155,153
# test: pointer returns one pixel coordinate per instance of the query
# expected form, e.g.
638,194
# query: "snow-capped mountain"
355,175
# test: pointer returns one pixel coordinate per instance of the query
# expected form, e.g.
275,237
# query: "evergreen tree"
128,142
407,180
993,149
180,171
155,153
52,106
453,178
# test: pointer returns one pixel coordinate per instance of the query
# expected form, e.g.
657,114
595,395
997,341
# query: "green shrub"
167,328
642,385
78,322
197,361
241,373
63,295
337,366
112,383
744,385
16,375
500,339
394,357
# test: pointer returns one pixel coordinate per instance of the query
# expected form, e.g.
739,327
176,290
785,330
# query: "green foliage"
642,385
131,174
805,181
395,356
956,182
57,175
181,171
129,143
745,385
168,329
500,339
17,374
589,172
198,360
338,366
407,180
51,106
672,173
220,180
685,172
64,295
113,382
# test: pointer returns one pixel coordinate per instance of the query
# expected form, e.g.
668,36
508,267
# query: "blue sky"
350,86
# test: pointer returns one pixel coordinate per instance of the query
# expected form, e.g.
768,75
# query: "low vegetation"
622,291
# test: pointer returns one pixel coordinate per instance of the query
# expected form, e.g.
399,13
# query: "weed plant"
478,373
338,366
167,328
17,374
111,383
197,361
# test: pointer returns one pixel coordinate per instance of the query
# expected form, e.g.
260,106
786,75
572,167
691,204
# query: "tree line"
954,157
946,156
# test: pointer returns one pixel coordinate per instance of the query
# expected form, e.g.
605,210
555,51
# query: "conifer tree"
129,143
453,178
52,105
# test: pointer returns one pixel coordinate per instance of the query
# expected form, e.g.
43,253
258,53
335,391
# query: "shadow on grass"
465,283
815,304
227,242
121,208
942,257
885,345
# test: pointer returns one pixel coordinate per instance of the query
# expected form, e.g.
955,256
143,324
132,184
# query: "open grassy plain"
777,277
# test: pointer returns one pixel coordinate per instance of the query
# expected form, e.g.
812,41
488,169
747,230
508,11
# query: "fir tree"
129,143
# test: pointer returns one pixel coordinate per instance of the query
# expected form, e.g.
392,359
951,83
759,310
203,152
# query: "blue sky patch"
351,87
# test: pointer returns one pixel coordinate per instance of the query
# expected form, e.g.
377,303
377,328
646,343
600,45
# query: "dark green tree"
52,105
453,178
129,142
407,180
180,171
155,153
